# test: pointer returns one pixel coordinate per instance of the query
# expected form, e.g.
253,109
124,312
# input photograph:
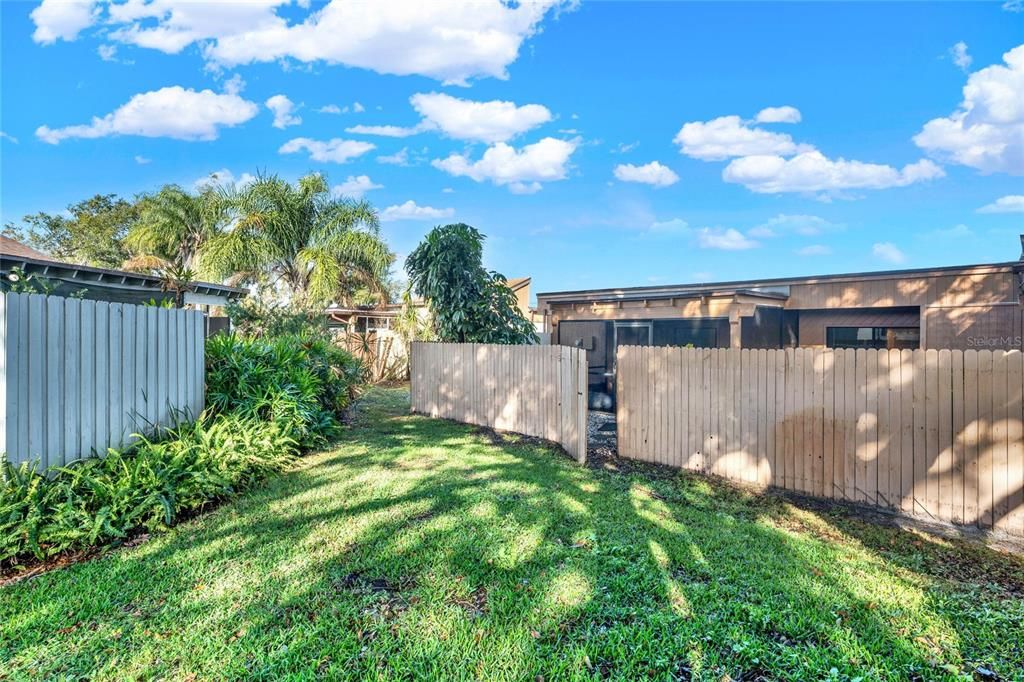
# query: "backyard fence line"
78,376
935,434
534,390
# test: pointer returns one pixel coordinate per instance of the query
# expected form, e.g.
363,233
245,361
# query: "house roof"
772,287
14,254
12,247
517,283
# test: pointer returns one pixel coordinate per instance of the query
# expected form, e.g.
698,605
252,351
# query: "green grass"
420,549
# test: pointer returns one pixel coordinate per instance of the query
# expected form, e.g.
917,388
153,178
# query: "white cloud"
785,114
960,57
234,85
335,109
522,170
142,160
383,131
1011,203
62,19
888,252
355,186
284,111
623,148
399,158
805,225
729,136
169,112
986,132
669,226
462,119
447,40
490,122
448,190
222,178
652,173
814,250
726,239
411,211
525,187
1015,6
955,232
334,150
768,162
814,172
8,137
107,53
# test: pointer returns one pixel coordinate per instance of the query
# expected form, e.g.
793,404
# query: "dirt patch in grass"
475,605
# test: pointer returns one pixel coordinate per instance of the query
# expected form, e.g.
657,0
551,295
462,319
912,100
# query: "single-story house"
968,306
101,284
366,319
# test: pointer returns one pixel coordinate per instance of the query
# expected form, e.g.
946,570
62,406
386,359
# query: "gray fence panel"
78,377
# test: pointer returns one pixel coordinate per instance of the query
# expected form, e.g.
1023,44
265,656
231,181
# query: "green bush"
101,499
301,382
268,399
254,317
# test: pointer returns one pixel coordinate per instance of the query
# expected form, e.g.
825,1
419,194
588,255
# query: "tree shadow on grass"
421,550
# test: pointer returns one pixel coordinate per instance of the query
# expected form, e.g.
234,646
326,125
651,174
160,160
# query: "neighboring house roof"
773,287
131,286
392,309
517,283
12,247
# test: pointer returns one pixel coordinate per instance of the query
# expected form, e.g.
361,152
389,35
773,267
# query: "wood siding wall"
815,323
535,390
80,376
936,434
955,308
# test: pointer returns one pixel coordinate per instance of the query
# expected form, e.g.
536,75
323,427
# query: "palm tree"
174,226
301,240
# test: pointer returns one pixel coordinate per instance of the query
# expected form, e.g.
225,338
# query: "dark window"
633,334
873,337
366,324
695,333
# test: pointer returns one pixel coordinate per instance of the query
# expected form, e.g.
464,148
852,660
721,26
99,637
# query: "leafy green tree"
469,304
301,241
94,233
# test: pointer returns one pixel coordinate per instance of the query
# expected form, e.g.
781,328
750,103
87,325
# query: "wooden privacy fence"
78,377
934,433
535,390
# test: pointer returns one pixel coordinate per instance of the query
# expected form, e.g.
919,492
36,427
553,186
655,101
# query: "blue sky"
596,144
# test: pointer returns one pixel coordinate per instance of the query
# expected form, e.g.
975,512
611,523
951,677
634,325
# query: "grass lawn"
421,549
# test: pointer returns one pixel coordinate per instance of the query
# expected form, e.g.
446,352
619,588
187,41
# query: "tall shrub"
468,303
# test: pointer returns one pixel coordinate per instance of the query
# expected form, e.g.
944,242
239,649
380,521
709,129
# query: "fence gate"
534,390
938,434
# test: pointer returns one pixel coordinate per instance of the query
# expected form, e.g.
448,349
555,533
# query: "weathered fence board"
78,377
936,433
535,390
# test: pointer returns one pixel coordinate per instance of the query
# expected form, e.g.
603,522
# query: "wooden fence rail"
535,390
78,376
934,433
